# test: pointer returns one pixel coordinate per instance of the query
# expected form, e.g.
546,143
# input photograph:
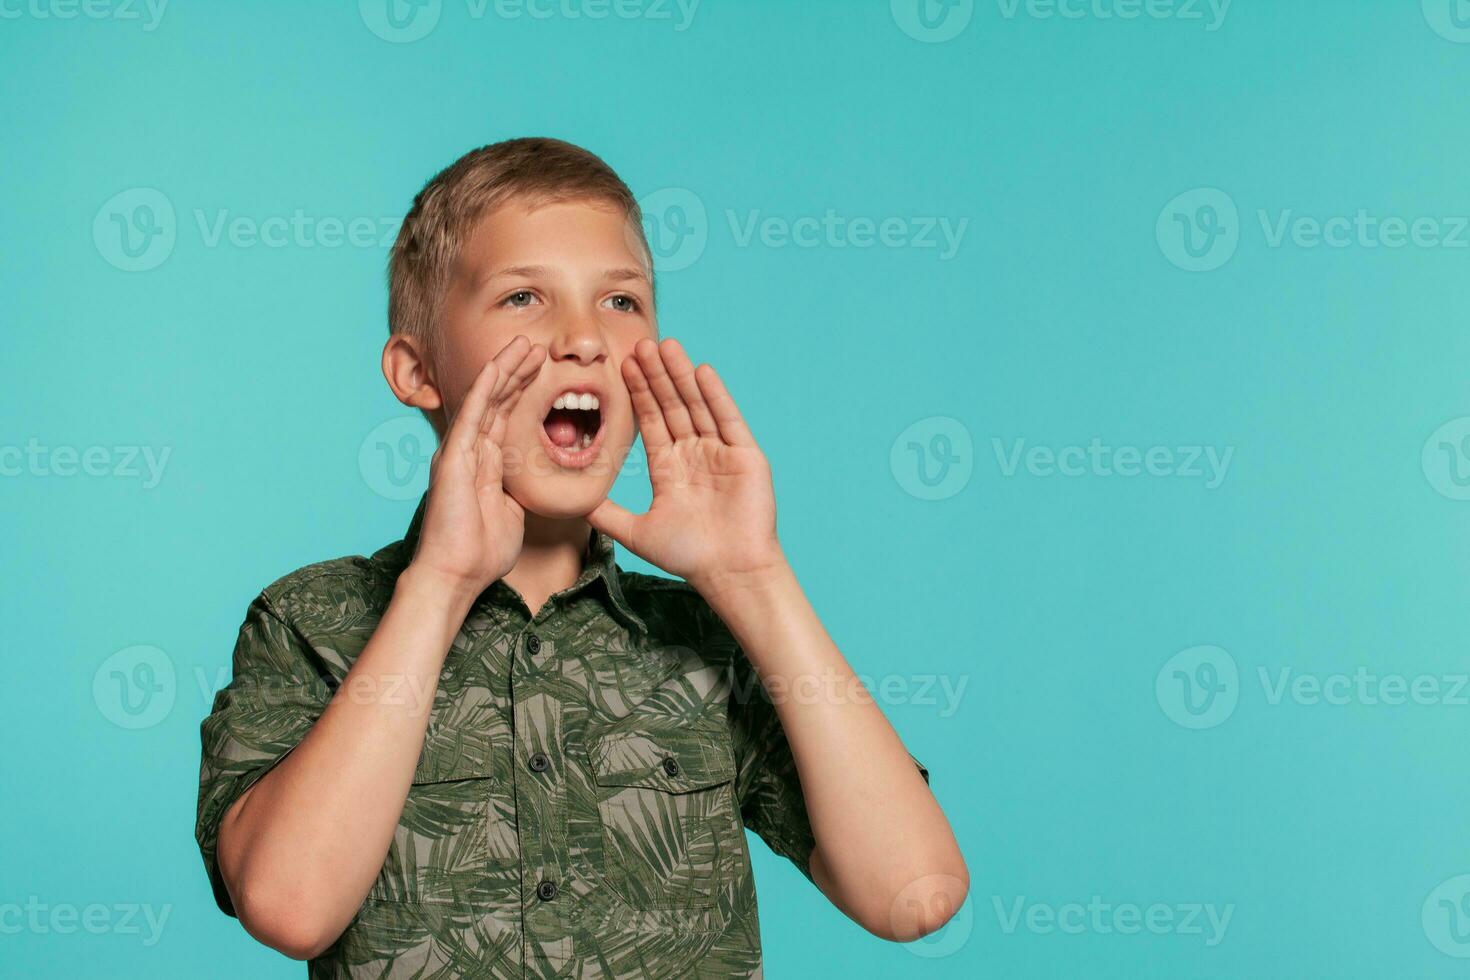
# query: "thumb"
616,521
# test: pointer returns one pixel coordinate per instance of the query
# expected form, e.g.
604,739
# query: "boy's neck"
552,556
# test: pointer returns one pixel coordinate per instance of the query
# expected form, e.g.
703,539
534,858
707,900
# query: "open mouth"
572,427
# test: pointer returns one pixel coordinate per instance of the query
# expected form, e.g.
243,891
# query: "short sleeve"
767,784
272,701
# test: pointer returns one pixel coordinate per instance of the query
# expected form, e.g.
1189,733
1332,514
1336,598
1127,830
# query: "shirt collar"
599,562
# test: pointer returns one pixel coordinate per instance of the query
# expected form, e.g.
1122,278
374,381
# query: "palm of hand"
712,508
713,511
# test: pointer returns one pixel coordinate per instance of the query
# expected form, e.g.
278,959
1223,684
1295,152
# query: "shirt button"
671,766
533,644
539,762
546,891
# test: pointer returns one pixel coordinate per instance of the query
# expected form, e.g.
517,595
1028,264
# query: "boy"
488,751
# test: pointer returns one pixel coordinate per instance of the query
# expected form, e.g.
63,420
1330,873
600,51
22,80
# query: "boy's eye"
522,297
624,303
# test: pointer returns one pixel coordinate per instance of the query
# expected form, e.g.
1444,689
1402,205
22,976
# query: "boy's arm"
885,853
300,849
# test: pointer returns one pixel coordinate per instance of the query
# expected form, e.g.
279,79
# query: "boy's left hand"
713,517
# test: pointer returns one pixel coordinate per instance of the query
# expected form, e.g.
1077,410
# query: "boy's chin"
560,497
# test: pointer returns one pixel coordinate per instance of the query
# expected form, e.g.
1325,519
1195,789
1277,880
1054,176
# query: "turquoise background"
1336,376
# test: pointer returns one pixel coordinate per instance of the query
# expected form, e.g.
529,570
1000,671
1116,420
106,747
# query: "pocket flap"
448,756
674,761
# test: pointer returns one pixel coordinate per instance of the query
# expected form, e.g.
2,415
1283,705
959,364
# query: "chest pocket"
670,834
441,846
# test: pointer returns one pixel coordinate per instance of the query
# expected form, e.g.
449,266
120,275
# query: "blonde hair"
538,169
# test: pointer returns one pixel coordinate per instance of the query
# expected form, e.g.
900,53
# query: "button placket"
539,721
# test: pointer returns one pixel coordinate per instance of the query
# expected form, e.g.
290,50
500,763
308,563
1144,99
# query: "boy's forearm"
301,848
886,854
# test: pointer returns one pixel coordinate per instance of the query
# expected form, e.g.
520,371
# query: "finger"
469,419
676,414
645,407
518,361
500,418
732,426
681,369
616,521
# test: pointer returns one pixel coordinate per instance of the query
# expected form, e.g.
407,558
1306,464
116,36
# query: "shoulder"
666,605
675,612
324,593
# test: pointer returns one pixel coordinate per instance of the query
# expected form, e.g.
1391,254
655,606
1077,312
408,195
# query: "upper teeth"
571,399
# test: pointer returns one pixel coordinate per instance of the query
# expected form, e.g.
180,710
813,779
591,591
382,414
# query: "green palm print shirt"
578,805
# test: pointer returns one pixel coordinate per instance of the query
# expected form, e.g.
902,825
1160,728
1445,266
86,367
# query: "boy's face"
570,276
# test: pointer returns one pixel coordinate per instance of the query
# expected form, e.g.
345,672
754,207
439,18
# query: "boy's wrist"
452,597
759,581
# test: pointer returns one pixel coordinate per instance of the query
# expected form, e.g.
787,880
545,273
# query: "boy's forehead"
574,235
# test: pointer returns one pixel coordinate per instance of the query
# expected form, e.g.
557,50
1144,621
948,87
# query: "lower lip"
573,459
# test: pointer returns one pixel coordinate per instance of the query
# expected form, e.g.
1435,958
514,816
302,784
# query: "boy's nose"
578,339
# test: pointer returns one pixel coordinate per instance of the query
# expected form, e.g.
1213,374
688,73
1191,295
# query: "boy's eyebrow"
531,271
624,274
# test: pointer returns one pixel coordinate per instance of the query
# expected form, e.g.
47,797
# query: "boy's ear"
408,371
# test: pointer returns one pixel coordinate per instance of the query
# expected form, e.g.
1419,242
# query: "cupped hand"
473,530
713,515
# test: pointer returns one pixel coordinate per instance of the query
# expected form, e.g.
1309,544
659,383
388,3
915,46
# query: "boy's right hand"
472,529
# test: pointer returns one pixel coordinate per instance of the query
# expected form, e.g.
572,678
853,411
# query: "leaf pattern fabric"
579,804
